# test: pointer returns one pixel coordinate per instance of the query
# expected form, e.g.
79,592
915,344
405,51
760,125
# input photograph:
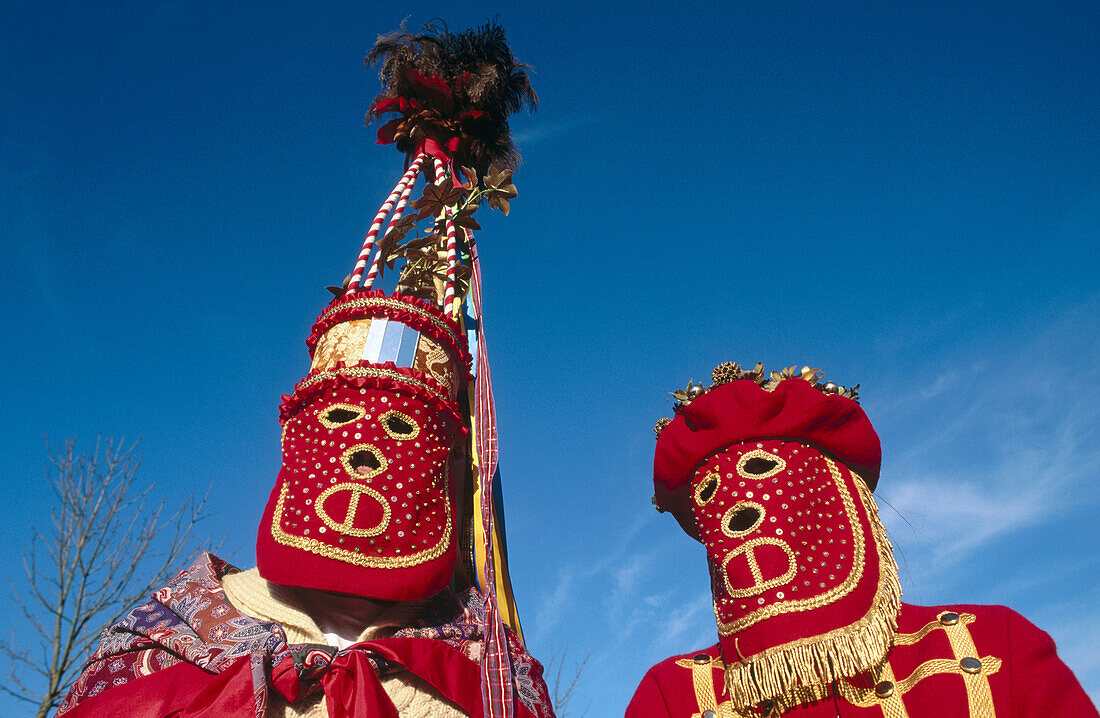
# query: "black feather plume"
456,88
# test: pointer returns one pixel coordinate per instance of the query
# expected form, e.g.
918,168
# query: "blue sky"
907,196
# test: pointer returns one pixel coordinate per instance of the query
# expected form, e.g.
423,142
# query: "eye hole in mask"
339,414
742,518
707,488
759,464
399,426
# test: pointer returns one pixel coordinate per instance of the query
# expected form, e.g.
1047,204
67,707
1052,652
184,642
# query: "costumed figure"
381,586
773,474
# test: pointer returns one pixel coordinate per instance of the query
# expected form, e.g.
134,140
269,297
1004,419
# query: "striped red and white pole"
402,190
452,249
376,265
452,264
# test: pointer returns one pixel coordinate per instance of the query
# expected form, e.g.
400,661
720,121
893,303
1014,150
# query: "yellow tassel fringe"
803,670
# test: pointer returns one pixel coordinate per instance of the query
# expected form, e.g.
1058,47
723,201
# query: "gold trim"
717,478
891,705
341,342
347,526
404,417
978,693
833,594
358,559
908,639
359,411
394,304
371,371
759,584
865,697
737,507
383,462
702,680
979,698
780,464
777,673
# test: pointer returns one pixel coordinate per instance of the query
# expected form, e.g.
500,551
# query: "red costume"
773,474
385,495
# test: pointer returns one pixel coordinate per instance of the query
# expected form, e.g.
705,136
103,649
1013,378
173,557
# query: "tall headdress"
773,473
389,485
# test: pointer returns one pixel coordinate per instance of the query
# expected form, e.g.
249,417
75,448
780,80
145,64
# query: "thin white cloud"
553,608
1075,627
689,626
1010,446
547,130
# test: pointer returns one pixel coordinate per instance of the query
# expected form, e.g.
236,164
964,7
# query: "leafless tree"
109,546
564,686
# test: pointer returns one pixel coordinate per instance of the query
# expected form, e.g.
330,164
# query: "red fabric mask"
365,501
804,583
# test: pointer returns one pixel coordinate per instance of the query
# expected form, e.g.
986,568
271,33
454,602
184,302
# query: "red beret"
741,411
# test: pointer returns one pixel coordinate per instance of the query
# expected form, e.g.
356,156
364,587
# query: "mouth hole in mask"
742,518
364,461
706,489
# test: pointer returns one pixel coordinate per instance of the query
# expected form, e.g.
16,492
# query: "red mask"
365,501
804,582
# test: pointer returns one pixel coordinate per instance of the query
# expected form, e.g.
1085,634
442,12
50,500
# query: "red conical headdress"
389,448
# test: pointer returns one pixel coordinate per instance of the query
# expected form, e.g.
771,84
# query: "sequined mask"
366,481
372,442
803,579
784,531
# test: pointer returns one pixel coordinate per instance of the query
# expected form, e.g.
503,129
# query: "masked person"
773,474
378,574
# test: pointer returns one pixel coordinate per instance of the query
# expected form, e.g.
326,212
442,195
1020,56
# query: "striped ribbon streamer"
402,190
496,665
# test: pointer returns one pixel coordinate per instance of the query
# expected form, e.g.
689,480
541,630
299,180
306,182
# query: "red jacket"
931,671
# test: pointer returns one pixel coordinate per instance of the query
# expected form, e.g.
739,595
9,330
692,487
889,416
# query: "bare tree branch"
564,687
106,550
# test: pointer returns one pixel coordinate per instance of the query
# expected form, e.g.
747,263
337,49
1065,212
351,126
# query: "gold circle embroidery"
759,584
347,526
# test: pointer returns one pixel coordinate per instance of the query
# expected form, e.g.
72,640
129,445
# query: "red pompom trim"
398,379
410,311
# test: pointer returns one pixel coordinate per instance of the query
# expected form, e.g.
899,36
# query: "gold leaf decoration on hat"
727,372
660,425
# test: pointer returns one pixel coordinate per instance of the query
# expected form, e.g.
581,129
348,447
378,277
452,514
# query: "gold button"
971,665
949,619
884,689
701,658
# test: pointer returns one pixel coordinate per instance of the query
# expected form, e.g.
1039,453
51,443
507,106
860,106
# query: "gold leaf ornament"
437,198
499,189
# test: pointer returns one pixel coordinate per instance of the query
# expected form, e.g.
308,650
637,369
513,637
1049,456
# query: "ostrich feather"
452,86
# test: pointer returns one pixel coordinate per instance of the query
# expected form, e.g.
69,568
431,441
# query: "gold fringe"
803,670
